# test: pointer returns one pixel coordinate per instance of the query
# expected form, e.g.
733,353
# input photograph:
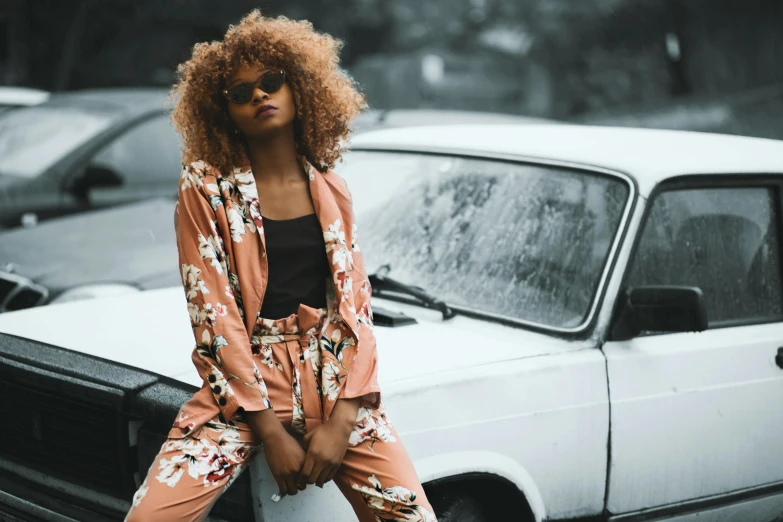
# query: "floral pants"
191,472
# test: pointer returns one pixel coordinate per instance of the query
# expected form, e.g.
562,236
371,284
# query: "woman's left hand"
327,443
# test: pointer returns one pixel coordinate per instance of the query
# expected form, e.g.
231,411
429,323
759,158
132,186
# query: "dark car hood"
133,244
7,181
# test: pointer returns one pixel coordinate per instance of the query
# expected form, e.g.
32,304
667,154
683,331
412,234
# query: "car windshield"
511,239
33,139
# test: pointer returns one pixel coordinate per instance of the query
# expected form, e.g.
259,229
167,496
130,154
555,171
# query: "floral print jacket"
222,254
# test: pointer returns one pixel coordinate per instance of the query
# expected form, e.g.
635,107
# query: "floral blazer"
222,253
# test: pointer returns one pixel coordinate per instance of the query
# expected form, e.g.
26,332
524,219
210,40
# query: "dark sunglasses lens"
241,93
272,82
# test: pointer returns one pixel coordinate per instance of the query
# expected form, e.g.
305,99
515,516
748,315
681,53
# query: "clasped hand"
319,456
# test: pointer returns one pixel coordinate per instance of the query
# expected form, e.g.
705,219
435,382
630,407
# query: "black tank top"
298,265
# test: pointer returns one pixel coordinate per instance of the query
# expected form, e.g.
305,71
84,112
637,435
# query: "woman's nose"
259,95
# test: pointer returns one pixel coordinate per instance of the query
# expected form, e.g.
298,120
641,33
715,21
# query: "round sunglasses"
269,82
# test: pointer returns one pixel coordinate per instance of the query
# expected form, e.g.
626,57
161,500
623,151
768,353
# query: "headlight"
94,291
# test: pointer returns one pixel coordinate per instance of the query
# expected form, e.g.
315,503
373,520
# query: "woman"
278,297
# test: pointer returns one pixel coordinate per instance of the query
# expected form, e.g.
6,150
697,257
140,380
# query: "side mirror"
659,309
94,176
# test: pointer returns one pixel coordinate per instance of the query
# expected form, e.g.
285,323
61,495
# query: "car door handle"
779,358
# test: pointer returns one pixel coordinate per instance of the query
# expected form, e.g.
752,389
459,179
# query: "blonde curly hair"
325,97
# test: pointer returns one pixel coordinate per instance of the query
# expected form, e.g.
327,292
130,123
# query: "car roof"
22,96
389,118
126,101
648,155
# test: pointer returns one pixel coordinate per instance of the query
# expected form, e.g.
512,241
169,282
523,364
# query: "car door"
696,418
146,161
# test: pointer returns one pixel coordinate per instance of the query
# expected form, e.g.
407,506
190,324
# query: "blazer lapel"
338,253
248,194
248,191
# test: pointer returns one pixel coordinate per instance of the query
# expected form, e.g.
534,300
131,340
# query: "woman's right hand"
284,453
285,457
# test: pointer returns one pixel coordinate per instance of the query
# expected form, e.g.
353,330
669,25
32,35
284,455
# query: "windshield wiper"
380,283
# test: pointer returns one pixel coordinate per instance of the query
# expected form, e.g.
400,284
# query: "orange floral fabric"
222,256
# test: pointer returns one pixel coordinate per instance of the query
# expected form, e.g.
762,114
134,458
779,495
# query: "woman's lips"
265,110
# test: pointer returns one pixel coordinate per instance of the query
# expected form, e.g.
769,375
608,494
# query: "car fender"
453,464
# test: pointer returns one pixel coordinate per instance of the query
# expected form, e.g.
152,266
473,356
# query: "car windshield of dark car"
520,240
32,139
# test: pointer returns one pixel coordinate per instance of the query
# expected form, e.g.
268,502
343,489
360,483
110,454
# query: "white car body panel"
167,349
707,404
159,314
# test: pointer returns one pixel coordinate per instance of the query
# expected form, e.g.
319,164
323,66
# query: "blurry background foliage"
700,64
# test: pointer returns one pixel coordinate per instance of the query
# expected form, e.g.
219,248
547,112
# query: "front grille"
62,436
64,425
68,415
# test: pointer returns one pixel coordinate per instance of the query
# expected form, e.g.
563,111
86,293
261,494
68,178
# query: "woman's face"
266,114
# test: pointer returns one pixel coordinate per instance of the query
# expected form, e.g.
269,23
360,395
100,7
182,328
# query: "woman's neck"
274,160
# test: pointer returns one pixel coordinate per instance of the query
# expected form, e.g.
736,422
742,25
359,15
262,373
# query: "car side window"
147,153
722,240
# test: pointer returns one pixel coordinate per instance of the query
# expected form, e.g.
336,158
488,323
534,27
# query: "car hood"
9,181
151,331
133,244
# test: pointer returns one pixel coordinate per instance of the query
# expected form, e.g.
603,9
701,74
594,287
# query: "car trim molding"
703,504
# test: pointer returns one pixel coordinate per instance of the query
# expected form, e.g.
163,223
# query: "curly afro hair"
326,98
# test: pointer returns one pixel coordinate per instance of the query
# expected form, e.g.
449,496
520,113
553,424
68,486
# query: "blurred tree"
14,53
555,58
676,48
70,48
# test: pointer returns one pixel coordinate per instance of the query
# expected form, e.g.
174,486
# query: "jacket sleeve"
362,379
222,354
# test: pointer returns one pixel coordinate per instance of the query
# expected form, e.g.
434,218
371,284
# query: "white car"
573,323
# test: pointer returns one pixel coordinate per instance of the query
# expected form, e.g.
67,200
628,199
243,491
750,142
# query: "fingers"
334,471
307,468
315,472
323,477
290,486
281,487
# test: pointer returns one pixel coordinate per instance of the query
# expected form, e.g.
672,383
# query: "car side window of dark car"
147,154
723,240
